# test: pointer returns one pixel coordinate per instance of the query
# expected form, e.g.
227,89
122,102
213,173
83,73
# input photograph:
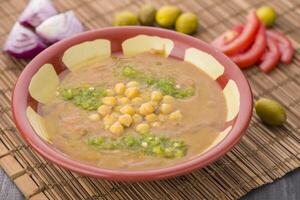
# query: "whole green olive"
270,111
267,15
147,14
166,16
125,18
187,23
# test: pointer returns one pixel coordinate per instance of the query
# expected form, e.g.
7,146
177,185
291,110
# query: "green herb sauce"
88,98
166,85
144,143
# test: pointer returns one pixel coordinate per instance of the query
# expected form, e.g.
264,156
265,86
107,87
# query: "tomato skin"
271,57
284,44
227,37
254,53
246,38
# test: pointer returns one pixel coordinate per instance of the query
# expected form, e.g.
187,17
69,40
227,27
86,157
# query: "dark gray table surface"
286,188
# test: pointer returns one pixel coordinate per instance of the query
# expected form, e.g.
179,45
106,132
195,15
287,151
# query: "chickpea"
162,117
94,117
111,101
154,103
155,124
142,128
109,120
137,100
110,92
115,115
116,128
166,108
125,120
127,109
145,95
137,118
104,110
123,100
175,116
146,108
131,92
132,84
156,96
117,108
120,88
168,99
150,118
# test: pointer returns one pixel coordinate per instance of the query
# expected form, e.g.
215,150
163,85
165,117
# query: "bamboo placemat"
262,155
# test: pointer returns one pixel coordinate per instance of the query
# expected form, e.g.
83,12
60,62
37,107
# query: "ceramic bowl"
130,41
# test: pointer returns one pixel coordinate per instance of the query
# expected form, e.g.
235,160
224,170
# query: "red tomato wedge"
271,57
245,39
253,54
284,44
227,37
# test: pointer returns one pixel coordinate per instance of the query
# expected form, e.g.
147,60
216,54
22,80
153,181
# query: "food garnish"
147,14
45,27
36,12
187,23
270,112
166,85
167,15
252,55
88,98
148,144
125,18
271,56
59,27
23,43
284,45
125,105
263,48
267,15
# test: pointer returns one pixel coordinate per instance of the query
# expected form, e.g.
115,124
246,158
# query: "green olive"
187,23
166,16
147,14
267,15
125,18
270,111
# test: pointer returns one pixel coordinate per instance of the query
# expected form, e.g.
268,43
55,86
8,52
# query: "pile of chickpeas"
127,105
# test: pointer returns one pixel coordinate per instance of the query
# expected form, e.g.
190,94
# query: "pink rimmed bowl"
238,122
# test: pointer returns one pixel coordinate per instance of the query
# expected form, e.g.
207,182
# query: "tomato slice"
271,57
245,39
227,37
253,54
284,44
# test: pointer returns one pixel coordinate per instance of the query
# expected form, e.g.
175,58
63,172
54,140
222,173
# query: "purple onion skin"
59,27
36,12
27,54
23,43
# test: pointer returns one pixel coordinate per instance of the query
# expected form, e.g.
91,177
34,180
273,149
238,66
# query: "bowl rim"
19,105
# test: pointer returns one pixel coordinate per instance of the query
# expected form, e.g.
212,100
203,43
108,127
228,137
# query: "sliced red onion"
59,27
36,12
23,43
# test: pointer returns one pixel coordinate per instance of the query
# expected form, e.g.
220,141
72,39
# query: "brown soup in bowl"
135,112
142,105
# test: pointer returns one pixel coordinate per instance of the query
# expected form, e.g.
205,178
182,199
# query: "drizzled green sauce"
166,85
148,144
88,98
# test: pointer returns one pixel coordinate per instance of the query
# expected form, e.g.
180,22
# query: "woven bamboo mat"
263,155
